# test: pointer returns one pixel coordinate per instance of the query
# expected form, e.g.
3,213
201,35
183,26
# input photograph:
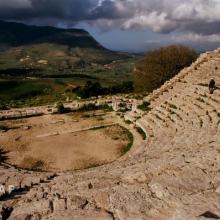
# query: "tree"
160,65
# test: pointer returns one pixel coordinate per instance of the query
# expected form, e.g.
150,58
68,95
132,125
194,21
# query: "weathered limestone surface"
174,175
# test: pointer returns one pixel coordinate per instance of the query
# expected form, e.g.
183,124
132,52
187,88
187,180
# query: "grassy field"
20,89
19,93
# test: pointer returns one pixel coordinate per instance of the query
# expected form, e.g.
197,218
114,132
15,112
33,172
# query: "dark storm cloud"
74,10
204,28
201,17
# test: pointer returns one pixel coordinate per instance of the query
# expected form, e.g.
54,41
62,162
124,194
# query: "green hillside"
49,50
39,65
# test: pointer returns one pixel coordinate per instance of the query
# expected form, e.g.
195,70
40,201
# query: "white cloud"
164,15
154,21
208,11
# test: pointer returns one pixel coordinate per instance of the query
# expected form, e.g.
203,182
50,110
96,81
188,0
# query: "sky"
126,25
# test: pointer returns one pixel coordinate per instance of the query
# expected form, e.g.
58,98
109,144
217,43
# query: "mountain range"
50,50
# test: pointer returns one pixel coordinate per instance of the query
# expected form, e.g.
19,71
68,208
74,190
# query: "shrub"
94,89
141,132
94,107
60,108
34,164
144,106
38,165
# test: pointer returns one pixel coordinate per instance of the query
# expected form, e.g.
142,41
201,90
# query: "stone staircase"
174,175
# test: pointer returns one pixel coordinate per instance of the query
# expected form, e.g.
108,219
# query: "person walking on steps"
211,86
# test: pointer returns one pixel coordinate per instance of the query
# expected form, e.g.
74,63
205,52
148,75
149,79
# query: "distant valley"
43,62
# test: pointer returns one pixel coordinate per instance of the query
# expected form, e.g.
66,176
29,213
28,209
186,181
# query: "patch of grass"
141,132
130,138
38,165
145,107
34,164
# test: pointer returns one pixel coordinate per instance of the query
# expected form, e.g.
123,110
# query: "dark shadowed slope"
15,34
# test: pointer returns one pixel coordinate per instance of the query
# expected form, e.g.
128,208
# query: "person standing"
211,86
